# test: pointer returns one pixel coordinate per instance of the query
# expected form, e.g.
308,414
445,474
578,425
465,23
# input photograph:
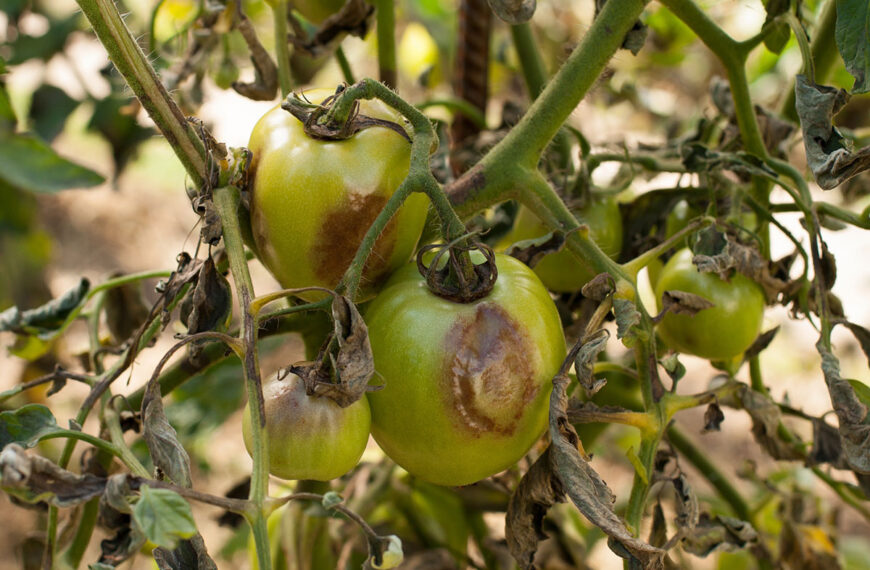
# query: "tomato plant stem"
282,51
498,175
344,64
227,201
386,32
128,58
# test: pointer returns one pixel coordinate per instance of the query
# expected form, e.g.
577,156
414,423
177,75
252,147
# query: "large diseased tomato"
309,437
561,271
314,200
721,332
466,386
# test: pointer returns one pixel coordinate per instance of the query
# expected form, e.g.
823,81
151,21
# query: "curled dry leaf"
682,303
585,361
353,18
714,533
531,251
514,12
828,152
713,417
851,412
32,479
345,364
766,417
166,451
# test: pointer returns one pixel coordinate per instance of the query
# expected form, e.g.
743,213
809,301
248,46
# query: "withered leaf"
45,319
585,487
827,447
713,417
599,287
746,260
166,451
760,343
32,478
851,412
683,303
345,365
265,83
688,511
190,554
658,534
585,361
514,12
766,417
627,317
862,335
539,489
209,307
828,154
718,533
125,311
353,18
531,251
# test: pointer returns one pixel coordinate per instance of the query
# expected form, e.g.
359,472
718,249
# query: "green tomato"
310,437
316,11
466,386
677,219
561,271
721,332
314,200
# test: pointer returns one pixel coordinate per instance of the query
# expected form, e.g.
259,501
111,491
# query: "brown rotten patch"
486,367
348,224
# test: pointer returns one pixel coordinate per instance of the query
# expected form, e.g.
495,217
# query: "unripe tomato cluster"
465,386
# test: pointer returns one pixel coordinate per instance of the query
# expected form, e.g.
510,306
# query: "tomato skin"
316,11
466,386
309,437
721,332
561,271
314,200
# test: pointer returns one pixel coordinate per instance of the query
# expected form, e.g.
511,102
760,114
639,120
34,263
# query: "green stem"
227,201
531,62
457,106
386,30
644,354
710,472
282,50
344,64
535,75
824,52
498,175
732,54
128,58
113,424
73,555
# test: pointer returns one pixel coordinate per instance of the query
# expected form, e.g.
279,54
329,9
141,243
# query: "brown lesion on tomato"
489,378
348,224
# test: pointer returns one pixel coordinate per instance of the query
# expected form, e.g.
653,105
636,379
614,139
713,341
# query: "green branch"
128,58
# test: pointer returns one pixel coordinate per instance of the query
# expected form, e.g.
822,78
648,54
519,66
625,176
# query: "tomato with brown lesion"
314,200
465,385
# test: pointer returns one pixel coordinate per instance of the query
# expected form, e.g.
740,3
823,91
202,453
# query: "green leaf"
49,110
778,37
862,391
100,566
164,516
30,164
26,425
46,46
853,40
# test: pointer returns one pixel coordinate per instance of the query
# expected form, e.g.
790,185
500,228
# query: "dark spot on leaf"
348,224
487,367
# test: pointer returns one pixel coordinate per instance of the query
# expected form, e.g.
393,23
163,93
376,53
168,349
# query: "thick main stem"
128,58
227,201
494,179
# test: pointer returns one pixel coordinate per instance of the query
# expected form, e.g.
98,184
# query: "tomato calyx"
458,279
318,124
